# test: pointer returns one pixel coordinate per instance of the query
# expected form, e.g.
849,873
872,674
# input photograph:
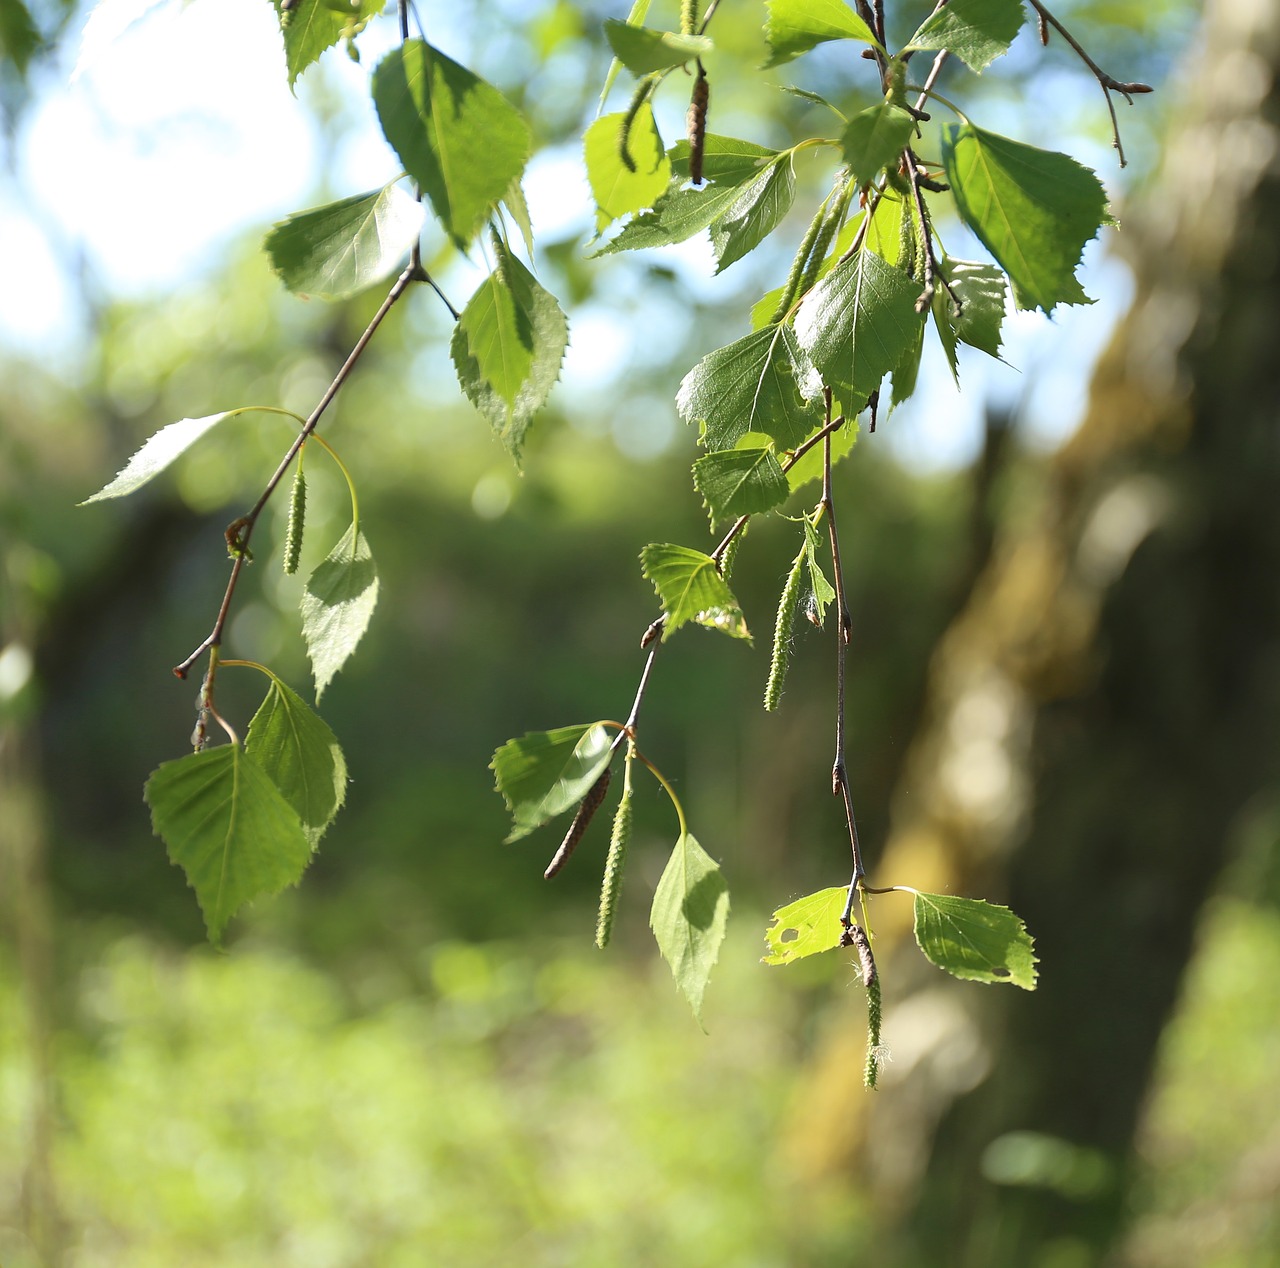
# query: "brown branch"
1106,82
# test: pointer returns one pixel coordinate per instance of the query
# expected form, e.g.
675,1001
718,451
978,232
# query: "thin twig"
839,774
245,525
1107,82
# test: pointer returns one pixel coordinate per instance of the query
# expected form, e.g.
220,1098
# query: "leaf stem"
346,475
671,792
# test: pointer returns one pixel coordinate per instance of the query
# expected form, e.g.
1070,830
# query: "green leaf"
736,482
337,605
755,214
975,940
806,927
884,233
691,589
810,466
616,189
857,323
514,201
643,51
740,213
336,251
907,370
976,31
1032,209
688,918
796,26
456,135
726,160
545,773
312,27
763,382
298,752
821,592
981,290
639,11
508,347
159,452
874,139
19,35
228,827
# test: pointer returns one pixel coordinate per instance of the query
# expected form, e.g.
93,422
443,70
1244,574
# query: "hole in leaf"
789,935
1001,972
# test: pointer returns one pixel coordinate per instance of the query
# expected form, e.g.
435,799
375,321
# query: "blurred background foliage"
418,1057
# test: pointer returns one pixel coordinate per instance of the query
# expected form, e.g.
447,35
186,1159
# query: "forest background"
1063,695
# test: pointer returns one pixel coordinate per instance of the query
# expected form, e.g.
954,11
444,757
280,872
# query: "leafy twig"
245,525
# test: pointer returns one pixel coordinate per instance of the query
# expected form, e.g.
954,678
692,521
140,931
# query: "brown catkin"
696,124
581,821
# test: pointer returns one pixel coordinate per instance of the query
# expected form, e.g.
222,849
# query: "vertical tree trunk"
1102,711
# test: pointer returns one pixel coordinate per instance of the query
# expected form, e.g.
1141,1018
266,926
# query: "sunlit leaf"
456,135
691,589
514,201
337,606
616,188
643,51
806,927
726,160
312,26
335,251
508,347
821,593
736,482
976,31
763,382
545,773
874,138
975,940
1034,210
976,313
160,451
689,915
740,215
300,755
229,828
857,323
755,214
796,26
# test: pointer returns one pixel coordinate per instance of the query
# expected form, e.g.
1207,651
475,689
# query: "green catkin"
611,887
638,98
875,1053
908,243
827,231
731,554
688,17
782,633
297,522
856,937
813,248
587,808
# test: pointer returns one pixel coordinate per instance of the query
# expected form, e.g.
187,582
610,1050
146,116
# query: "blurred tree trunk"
1100,714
